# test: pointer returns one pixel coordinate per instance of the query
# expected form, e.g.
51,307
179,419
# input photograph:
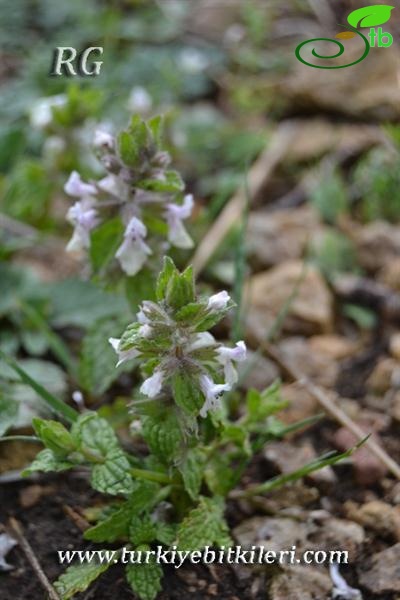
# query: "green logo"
369,16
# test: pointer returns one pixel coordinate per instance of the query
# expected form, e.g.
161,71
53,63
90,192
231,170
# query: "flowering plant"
139,206
188,451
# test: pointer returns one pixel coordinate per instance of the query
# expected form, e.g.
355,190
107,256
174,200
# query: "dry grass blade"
33,561
259,174
332,409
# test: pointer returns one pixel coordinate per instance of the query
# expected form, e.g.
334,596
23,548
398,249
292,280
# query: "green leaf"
78,578
112,477
141,530
116,525
145,579
47,461
113,527
110,473
186,392
54,436
81,303
8,412
191,469
97,368
55,404
180,289
204,525
156,126
261,405
128,149
370,16
104,242
163,434
165,275
172,183
166,533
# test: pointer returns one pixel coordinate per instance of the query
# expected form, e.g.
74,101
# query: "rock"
389,274
289,457
371,92
259,371
319,367
301,583
383,573
301,404
377,244
272,533
335,346
277,533
280,236
368,469
284,499
395,409
378,516
394,346
382,377
311,310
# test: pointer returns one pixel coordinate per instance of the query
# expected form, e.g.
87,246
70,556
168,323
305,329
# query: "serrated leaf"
186,392
116,525
191,469
180,290
112,477
78,578
141,530
128,148
95,433
145,579
163,434
204,525
370,16
166,533
47,461
97,368
163,278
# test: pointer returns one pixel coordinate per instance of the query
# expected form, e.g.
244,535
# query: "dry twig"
259,174
331,408
33,561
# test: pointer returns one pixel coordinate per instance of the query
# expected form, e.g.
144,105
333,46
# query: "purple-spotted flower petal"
84,217
212,392
133,252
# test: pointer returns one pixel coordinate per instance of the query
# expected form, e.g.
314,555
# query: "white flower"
103,139
123,355
175,214
201,340
84,217
139,100
212,392
226,356
76,187
141,317
218,301
145,330
151,386
41,114
114,186
133,252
